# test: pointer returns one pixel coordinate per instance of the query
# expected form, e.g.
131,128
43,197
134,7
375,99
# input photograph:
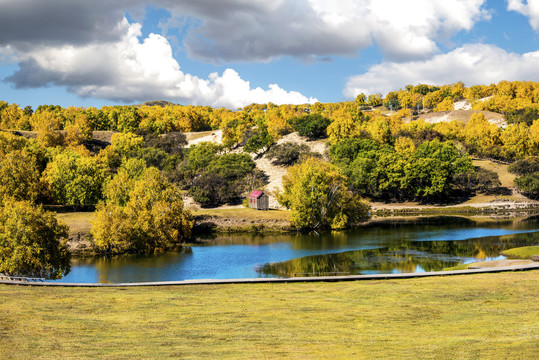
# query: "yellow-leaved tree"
516,141
482,137
47,123
343,126
32,242
319,198
445,105
143,213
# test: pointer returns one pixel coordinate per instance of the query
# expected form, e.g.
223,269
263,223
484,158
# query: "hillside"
462,116
274,173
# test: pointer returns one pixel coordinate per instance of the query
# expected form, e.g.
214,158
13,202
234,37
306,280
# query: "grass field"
506,178
245,213
489,316
525,252
77,221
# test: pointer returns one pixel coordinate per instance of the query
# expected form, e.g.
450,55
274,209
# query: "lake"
390,246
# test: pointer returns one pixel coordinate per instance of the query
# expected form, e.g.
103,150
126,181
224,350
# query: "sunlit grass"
489,316
525,252
506,178
77,221
197,135
246,213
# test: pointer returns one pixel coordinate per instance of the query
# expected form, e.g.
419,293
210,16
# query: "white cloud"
472,64
530,9
233,30
132,70
251,30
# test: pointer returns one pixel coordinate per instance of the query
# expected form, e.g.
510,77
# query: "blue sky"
230,53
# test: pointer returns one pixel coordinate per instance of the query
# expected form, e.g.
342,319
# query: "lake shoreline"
80,243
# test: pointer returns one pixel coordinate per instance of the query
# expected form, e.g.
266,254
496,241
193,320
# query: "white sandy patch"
462,105
276,173
194,138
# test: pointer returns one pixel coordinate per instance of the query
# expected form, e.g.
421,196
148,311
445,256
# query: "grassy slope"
525,252
506,178
490,316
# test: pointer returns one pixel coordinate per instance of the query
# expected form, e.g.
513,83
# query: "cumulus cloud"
473,64
240,30
90,48
133,70
25,24
529,9
251,30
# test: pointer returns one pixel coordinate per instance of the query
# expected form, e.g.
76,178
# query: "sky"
231,53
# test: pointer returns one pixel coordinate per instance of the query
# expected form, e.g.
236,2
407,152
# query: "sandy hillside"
194,138
462,105
462,115
274,173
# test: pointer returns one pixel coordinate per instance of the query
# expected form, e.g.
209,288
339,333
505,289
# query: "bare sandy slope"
274,173
461,115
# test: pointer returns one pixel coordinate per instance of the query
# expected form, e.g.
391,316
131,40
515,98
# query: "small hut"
258,200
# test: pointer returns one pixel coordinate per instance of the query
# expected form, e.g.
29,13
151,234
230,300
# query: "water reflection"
399,245
417,256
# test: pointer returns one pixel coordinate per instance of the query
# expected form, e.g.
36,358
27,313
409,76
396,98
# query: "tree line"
137,181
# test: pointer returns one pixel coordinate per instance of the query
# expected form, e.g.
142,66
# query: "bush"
529,184
527,116
222,180
525,166
312,126
287,153
480,180
171,143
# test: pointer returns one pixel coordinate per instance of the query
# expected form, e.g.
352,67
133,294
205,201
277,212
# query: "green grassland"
246,213
78,222
525,252
487,316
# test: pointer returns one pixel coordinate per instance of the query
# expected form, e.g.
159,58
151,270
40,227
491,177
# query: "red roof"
256,194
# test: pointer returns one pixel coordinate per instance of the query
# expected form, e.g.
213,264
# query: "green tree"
222,180
529,184
73,179
19,176
313,126
201,155
318,197
32,242
261,140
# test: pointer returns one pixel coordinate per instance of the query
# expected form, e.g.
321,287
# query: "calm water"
414,245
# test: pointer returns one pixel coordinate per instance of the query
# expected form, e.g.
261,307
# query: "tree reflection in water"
415,256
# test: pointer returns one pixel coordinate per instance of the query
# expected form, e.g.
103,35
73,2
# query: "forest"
132,164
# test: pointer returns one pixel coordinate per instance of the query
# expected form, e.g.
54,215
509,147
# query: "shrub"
313,126
525,166
480,180
529,184
287,153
